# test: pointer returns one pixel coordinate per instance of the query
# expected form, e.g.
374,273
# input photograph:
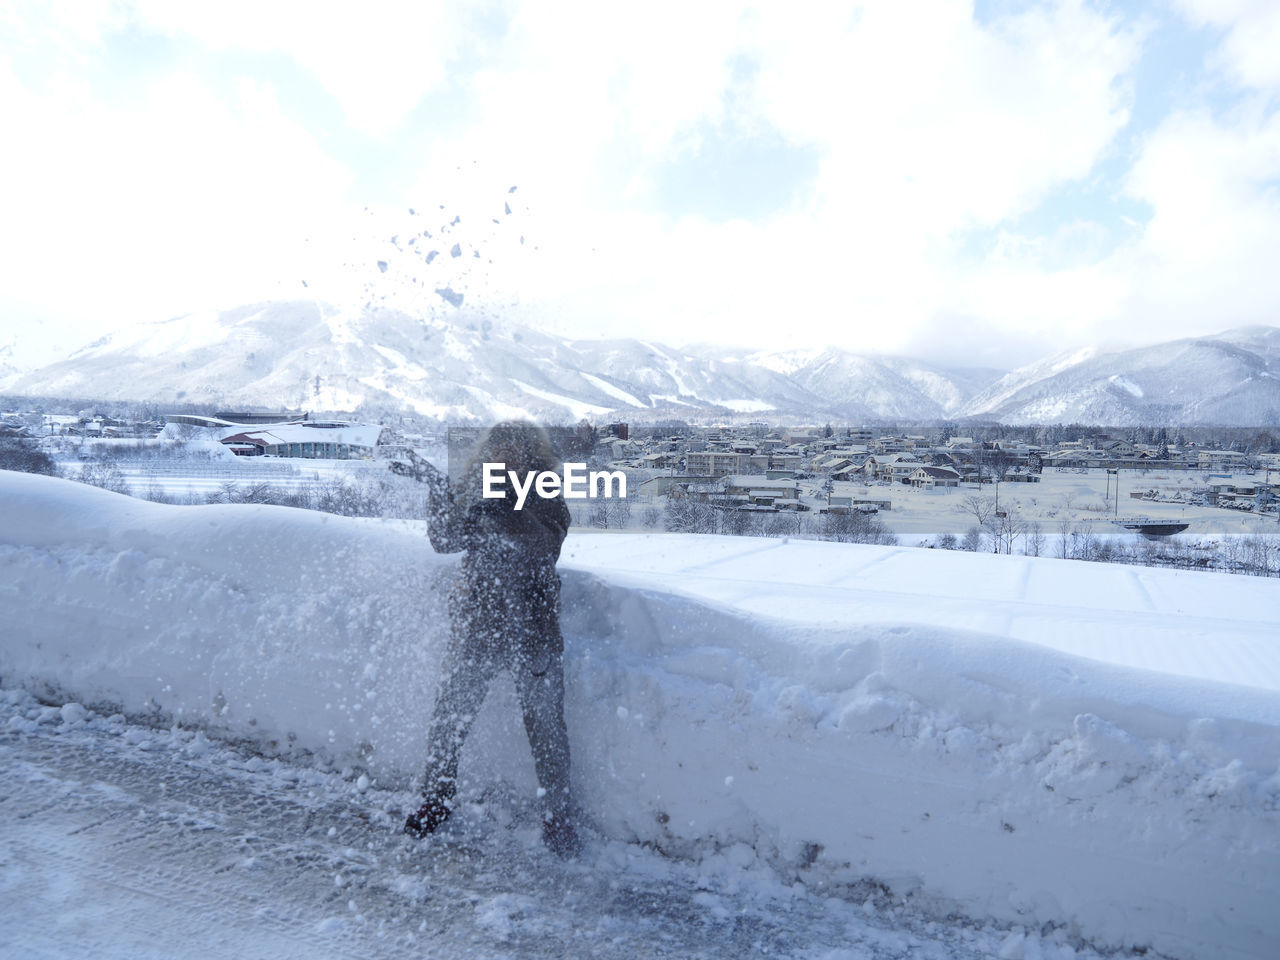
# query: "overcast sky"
976,183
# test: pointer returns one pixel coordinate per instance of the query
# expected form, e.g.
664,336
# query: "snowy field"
1070,497
908,752
181,479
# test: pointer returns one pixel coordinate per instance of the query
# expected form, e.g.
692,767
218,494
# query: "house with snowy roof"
310,440
850,496
759,489
929,477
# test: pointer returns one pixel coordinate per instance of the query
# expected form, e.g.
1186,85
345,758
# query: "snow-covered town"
1201,498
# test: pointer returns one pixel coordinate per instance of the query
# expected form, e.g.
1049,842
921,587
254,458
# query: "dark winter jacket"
507,600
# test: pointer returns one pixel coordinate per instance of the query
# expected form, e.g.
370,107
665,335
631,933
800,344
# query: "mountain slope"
1232,378
301,353
869,387
305,354
897,387
468,367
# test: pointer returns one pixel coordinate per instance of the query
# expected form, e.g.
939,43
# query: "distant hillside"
1231,379
294,354
304,354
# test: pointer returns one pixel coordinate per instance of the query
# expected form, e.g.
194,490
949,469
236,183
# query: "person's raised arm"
444,525
444,522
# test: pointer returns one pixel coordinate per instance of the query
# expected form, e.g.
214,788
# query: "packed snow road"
122,840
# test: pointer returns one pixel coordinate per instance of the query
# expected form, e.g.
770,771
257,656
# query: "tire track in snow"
734,557
149,851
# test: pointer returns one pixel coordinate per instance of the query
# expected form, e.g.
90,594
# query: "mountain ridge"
1230,378
304,353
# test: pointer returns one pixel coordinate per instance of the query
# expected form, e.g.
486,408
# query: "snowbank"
1031,740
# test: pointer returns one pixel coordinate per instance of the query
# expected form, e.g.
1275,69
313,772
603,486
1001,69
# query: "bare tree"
1230,551
686,515
230,492
1005,529
737,522
104,475
620,508
998,462
854,527
1085,542
781,525
980,507
601,516
25,457
1067,532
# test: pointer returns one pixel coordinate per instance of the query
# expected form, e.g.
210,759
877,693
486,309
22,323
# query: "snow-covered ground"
178,479
1074,756
1071,498
122,840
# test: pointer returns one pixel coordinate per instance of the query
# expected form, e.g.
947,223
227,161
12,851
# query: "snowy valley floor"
122,840
820,750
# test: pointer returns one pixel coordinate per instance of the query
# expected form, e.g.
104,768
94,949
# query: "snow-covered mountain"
899,387
311,355
305,354
870,387
301,353
1232,378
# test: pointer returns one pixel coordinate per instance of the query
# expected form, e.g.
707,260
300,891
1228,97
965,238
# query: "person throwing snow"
504,613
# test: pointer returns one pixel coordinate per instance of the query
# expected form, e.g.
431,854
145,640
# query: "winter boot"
430,815
560,837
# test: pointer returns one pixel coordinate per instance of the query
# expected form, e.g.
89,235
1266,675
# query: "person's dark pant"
467,674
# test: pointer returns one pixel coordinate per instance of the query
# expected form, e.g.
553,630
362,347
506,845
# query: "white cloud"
172,202
926,115
925,124
69,30
1203,261
1208,252
377,58
1248,50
